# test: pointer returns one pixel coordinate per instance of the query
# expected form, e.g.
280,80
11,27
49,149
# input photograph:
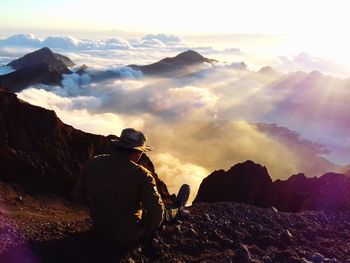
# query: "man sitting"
123,198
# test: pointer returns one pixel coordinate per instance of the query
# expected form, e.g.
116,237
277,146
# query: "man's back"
118,190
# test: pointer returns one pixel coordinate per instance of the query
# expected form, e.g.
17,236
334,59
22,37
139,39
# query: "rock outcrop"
38,150
250,183
246,182
331,191
174,65
39,67
41,153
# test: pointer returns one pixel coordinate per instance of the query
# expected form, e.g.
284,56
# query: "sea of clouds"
202,121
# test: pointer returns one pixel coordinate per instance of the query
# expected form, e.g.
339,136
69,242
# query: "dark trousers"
171,212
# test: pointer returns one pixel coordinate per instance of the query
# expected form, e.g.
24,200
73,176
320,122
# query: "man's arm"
152,203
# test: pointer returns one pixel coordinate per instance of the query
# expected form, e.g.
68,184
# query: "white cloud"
42,97
183,102
126,72
307,62
232,50
157,99
63,43
175,172
20,40
126,94
151,43
71,43
76,111
159,41
168,39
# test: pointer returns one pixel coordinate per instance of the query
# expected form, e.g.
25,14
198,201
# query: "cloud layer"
62,42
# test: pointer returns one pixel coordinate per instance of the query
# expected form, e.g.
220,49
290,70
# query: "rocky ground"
37,228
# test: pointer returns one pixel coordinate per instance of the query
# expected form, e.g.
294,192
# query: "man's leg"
172,211
183,195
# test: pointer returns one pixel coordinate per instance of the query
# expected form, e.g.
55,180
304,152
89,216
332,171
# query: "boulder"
250,183
245,182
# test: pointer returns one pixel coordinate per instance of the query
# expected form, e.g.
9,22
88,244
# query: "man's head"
132,142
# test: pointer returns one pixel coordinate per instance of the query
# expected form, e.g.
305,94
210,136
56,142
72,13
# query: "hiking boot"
183,214
183,195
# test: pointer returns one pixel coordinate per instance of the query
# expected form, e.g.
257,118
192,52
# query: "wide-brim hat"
132,139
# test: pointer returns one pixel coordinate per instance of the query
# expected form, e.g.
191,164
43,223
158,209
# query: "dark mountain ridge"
41,73
46,67
43,55
41,153
250,183
39,67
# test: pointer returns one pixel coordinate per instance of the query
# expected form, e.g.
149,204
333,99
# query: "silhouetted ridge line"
43,55
174,65
39,67
43,154
250,183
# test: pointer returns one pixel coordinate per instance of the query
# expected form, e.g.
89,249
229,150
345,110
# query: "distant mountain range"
46,67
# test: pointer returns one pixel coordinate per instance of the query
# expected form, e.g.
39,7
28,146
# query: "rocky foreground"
37,228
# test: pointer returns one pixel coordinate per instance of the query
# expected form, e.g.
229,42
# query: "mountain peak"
172,65
192,57
43,55
44,50
39,67
244,182
250,183
190,54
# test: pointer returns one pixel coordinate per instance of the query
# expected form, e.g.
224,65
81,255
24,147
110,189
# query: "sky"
221,16
318,26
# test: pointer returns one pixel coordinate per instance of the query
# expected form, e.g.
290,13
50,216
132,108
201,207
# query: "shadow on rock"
79,247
